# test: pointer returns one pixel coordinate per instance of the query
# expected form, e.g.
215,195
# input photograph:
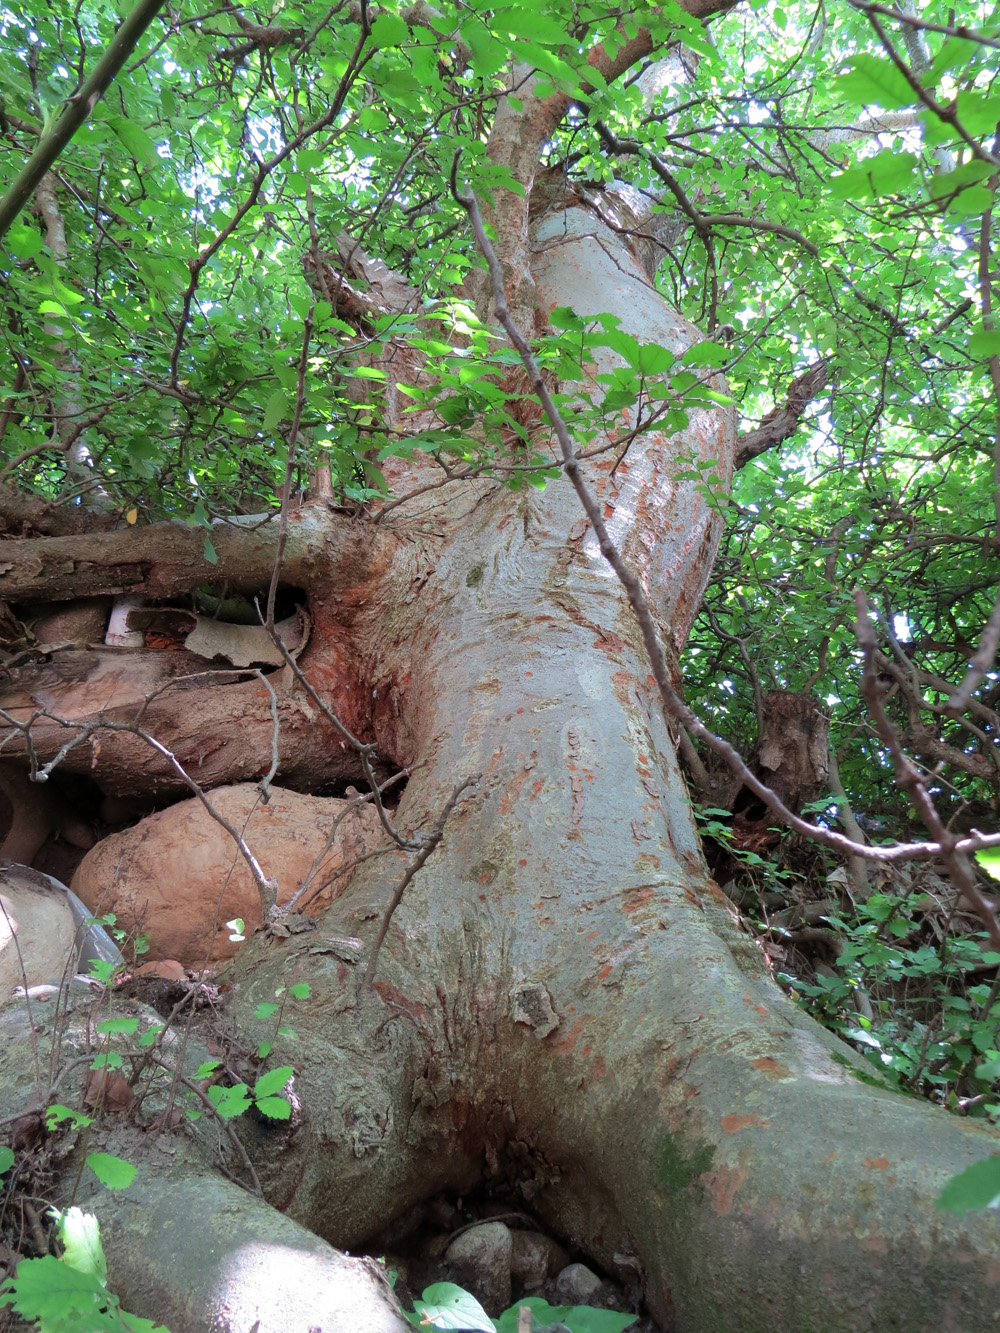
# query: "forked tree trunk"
564,1002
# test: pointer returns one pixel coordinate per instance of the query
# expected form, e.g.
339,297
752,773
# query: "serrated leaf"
24,242
389,30
114,1172
985,343
275,409
275,1108
300,991
209,551
989,859
705,354
111,1025
978,1186
46,1289
205,1068
81,1238
273,1081
265,1009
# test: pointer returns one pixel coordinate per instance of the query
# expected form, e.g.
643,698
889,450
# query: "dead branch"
782,422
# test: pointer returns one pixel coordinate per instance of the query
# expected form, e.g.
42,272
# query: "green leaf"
577,1318
114,1172
81,1238
276,1108
389,30
273,1081
230,1102
654,359
209,551
111,1025
50,1291
706,353
300,991
874,79
989,859
276,409
6,1158
446,1305
24,242
265,1009
137,142
978,1186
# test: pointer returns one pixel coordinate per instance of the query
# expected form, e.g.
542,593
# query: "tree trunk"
564,1005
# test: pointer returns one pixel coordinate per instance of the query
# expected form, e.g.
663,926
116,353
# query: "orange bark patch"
600,1068
513,792
568,1043
605,971
593,935
993,1272
877,1163
875,1243
723,1186
733,1122
636,898
832,1157
772,1068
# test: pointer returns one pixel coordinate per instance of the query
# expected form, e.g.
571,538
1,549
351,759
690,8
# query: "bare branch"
782,422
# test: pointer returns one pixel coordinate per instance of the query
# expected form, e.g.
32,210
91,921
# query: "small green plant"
230,1102
70,1294
268,1009
447,1306
934,1029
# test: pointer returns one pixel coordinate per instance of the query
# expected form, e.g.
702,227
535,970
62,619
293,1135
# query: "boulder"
577,1285
44,935
178,877
479,1261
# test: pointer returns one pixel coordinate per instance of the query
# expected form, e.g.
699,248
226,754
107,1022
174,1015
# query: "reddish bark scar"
732,1123
878,1163
772,1068
723,1186
636,898
568,1043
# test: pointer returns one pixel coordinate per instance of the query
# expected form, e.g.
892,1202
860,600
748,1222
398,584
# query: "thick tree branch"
782,422
169,558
